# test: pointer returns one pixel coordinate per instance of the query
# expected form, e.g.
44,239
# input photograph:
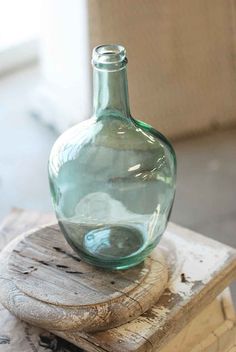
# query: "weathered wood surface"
213,330
201,268
45,283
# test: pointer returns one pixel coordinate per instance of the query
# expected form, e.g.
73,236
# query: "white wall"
64,96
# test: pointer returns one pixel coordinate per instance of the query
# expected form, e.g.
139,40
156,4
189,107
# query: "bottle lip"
111,57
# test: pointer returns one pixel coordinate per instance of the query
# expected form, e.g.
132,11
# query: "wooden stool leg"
213,330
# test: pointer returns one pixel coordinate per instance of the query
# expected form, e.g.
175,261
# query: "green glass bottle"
112,178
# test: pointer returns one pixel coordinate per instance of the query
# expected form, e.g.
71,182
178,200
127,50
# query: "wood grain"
207,332
44,282
199,270
208,267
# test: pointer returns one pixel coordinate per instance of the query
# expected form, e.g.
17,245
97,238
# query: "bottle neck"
110,92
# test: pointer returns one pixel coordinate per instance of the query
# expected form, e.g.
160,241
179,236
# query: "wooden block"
219,339
225,335
198,329
208,267
213,330
199,270
228,306
233,349
45,283
210,344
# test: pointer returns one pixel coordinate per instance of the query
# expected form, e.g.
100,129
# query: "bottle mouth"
109,57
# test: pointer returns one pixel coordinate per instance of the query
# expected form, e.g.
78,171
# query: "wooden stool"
188,316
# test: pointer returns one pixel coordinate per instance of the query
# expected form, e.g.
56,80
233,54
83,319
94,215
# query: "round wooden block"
44,282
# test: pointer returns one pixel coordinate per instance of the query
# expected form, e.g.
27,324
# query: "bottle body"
112,180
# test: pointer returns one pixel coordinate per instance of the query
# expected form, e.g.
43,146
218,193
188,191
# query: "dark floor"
206,191
206,185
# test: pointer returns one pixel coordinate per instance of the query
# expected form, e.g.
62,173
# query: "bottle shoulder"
114,132
156,134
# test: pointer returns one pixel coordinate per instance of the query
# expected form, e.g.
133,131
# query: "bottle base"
122,264
111,247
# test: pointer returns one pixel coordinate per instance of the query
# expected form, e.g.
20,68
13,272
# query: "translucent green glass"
112,177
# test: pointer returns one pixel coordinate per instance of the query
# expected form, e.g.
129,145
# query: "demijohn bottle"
112,177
